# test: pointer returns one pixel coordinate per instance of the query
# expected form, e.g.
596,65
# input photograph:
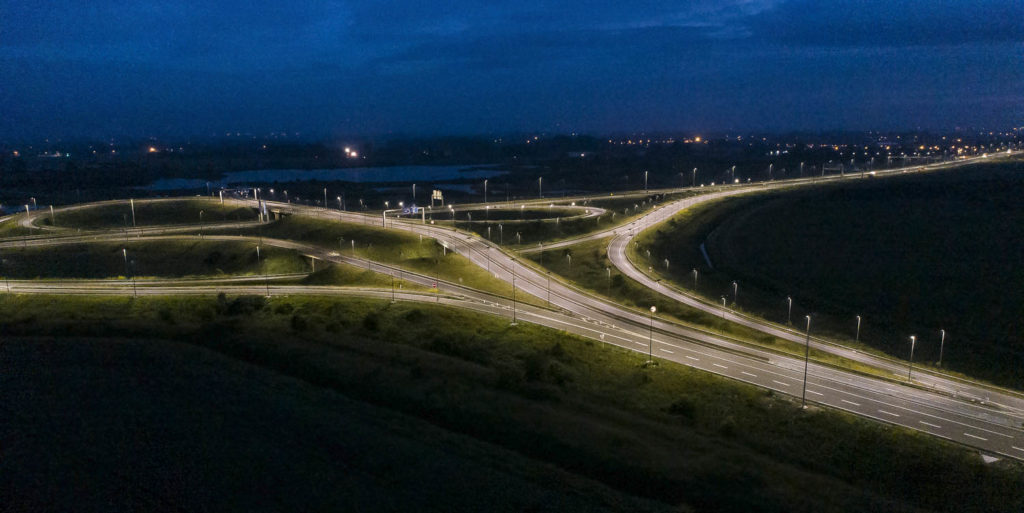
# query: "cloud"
890,23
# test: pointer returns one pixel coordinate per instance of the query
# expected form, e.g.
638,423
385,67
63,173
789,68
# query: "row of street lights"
789,317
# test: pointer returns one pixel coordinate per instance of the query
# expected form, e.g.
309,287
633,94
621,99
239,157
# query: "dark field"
314,403
911,255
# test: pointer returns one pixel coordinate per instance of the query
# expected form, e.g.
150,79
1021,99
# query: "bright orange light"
697,139
152,149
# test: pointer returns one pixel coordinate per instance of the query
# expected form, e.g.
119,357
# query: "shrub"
683,408
299,323
371,322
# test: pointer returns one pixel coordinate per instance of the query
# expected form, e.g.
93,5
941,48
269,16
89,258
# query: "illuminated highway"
940,405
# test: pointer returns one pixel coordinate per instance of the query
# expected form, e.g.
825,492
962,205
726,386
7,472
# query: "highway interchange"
970,413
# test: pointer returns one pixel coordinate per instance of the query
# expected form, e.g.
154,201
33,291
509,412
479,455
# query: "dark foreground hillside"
247,404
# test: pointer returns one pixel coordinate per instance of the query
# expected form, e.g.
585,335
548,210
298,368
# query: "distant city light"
152,149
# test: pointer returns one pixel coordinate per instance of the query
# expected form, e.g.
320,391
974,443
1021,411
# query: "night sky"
102,68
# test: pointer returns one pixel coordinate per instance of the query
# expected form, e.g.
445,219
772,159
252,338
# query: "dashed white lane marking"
748,374
781,383
850,402
717,365
930,424
1018,448
666,350
976,436
692,358
889,413
815,393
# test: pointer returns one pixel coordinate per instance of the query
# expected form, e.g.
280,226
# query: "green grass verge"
11,228
174,259
392,247
149,213
589,267
671,433
909,254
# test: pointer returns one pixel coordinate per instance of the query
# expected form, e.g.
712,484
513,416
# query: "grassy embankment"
11,228
670,433
174,259
392,247
911,255
150,213
589,268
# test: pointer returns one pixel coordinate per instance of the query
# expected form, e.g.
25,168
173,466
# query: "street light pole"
266,277
910,367
807,357
485,191
695,279
857,338
735,290
723,308
135,291
650,339
942,343
789,315
549,289
514,292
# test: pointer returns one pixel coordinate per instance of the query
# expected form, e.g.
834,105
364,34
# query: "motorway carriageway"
979,426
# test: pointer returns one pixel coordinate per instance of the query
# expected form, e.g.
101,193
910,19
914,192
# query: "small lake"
426,174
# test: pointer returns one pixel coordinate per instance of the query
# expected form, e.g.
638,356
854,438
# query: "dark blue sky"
170,67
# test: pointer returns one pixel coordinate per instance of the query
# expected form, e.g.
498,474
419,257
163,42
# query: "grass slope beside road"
567,406
394,247
911,255
586,265
149,213
174,259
